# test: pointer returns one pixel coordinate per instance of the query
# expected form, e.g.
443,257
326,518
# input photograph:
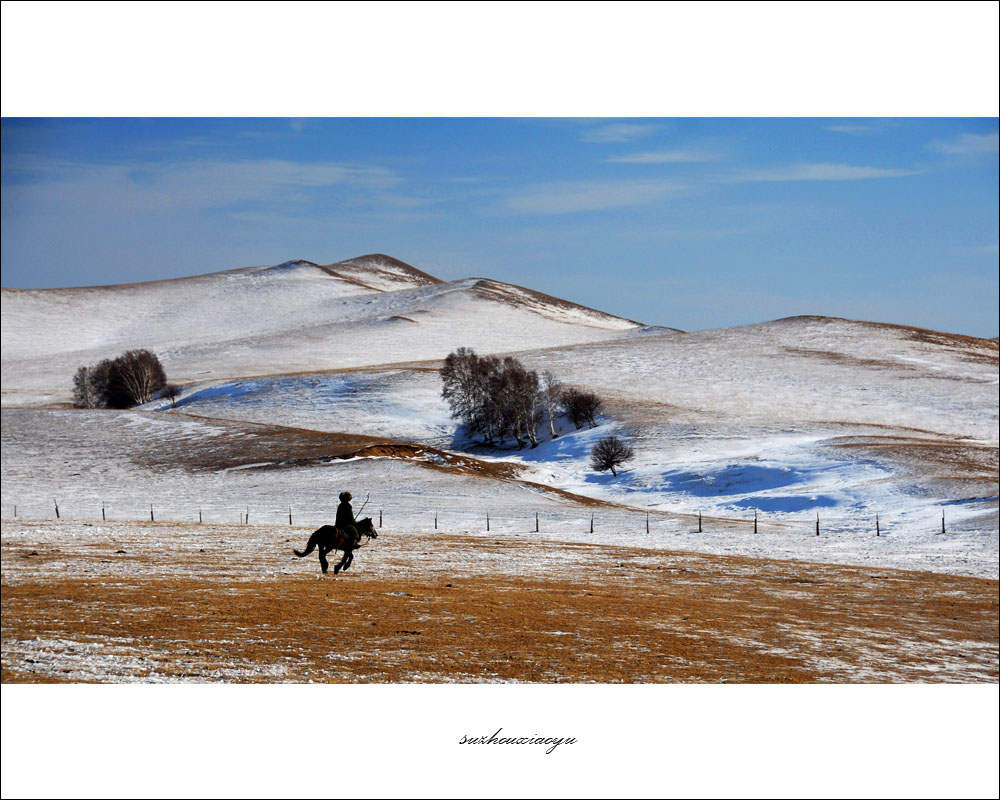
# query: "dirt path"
162,602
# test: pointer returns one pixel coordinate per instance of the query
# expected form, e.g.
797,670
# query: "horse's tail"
309,547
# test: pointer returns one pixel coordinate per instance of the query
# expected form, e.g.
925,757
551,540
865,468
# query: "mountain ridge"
300,316
290,317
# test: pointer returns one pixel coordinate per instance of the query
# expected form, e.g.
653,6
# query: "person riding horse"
345,518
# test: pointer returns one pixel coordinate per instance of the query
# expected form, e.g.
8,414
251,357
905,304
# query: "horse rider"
346,523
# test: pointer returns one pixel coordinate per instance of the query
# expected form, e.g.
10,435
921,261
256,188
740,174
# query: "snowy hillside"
302,379
297,316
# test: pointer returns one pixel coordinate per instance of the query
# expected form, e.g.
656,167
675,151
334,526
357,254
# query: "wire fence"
603,519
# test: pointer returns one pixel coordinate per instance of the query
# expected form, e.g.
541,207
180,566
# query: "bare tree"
581,407
83,389
90,385
134,378
494,408
529,404
592,405
570,406
460,375
172,391
520,400
610,452
496,397
551,389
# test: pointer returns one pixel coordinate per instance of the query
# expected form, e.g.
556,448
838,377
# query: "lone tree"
610,452
172,391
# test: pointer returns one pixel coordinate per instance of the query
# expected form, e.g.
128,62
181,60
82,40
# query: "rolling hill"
297,316
300,377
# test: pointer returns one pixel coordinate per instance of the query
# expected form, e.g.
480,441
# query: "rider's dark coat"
346,522
345,515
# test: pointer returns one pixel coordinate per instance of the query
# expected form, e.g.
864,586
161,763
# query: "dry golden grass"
987,349
833,357
279,447
940,458
445,608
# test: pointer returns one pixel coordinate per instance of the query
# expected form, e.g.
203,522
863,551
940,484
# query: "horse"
329,537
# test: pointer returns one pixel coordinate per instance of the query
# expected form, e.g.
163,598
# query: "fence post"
289,515
246,521
817,523
942,520
380,517
15,511
151,519
591,523
487,521
103,515
699,522
755,522
536,522
647,522
435,520
199,516
56,502
877,532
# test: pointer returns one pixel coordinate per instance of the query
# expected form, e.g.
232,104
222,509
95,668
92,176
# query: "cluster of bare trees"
581,407
129,380
499,398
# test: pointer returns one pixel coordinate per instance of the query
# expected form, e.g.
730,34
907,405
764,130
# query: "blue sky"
688,222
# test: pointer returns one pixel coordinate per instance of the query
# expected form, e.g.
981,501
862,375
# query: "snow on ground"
396,403
162,602
89,460
799,371
733,447
783,420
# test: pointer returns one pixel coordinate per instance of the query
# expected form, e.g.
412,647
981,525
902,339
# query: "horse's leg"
349,558
322,558
342,563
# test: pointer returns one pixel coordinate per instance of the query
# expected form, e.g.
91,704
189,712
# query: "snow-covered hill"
783,419
297,316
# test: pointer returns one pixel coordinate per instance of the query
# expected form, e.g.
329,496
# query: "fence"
605,519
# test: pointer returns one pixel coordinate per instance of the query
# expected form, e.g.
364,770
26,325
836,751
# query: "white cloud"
969,144
566,197
190,185
666,157
820,172
617,133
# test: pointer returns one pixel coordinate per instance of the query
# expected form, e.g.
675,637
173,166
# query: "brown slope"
521,297
378,267
952,340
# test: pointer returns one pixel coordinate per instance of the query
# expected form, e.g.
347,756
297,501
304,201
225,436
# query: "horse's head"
367,528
